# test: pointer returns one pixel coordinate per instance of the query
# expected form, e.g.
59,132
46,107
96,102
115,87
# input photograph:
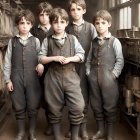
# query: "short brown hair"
44,7
24,13
80,3
104,14
58,12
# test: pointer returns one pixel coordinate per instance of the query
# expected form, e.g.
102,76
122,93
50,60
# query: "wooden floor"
123,130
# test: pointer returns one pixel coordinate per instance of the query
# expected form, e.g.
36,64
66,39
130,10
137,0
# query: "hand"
60,59
40,69
113,75
87,72
67,60
9,86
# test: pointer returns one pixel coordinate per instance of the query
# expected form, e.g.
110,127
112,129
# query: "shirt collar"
79,23
44,28
64,36
107,37
29,35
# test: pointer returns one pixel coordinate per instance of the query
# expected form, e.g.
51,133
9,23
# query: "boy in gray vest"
104,65
21,73
62,83
41,31
85,33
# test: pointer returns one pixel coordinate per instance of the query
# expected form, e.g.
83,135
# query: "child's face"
102,26
24,26
44,18
77,12
59,26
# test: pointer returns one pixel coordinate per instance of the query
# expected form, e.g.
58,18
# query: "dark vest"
24,57
40,34
66,50
103,55
84,36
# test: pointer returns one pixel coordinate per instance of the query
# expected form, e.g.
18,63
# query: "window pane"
121,19
139,15
125,18
129,18
123,1
111,3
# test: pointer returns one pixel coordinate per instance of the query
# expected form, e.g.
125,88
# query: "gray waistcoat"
24,57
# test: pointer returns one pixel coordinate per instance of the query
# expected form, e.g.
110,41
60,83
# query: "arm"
7,67
88,61
119,58
79,53
39,67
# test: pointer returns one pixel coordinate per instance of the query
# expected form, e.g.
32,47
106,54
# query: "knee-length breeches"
26,94
62,86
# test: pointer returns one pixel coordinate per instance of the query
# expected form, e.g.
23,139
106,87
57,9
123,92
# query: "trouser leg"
56,131
48,130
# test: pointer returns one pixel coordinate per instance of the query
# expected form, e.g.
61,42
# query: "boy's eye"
72,9
28,23
103,22
46,14
21,22
96,23
79,9
62,21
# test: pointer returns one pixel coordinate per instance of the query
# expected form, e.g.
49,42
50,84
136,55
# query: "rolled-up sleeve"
119,58
44,49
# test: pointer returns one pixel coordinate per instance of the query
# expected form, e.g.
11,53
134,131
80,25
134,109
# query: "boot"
56,131
74,132
32,127
101,131
83,131
48,130
68,134
110,132
21,130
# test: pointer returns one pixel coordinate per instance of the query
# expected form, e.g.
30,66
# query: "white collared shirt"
46,29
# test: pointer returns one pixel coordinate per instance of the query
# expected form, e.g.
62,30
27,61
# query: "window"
139,15
125,18
111,3
123,1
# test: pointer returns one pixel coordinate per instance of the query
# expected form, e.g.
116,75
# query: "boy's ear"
109,24
67,23
84,11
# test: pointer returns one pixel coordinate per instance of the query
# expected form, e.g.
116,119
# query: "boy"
62,83
22,80
104,64
85,33
42,30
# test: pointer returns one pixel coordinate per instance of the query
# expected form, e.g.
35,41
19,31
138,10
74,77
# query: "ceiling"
32,4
